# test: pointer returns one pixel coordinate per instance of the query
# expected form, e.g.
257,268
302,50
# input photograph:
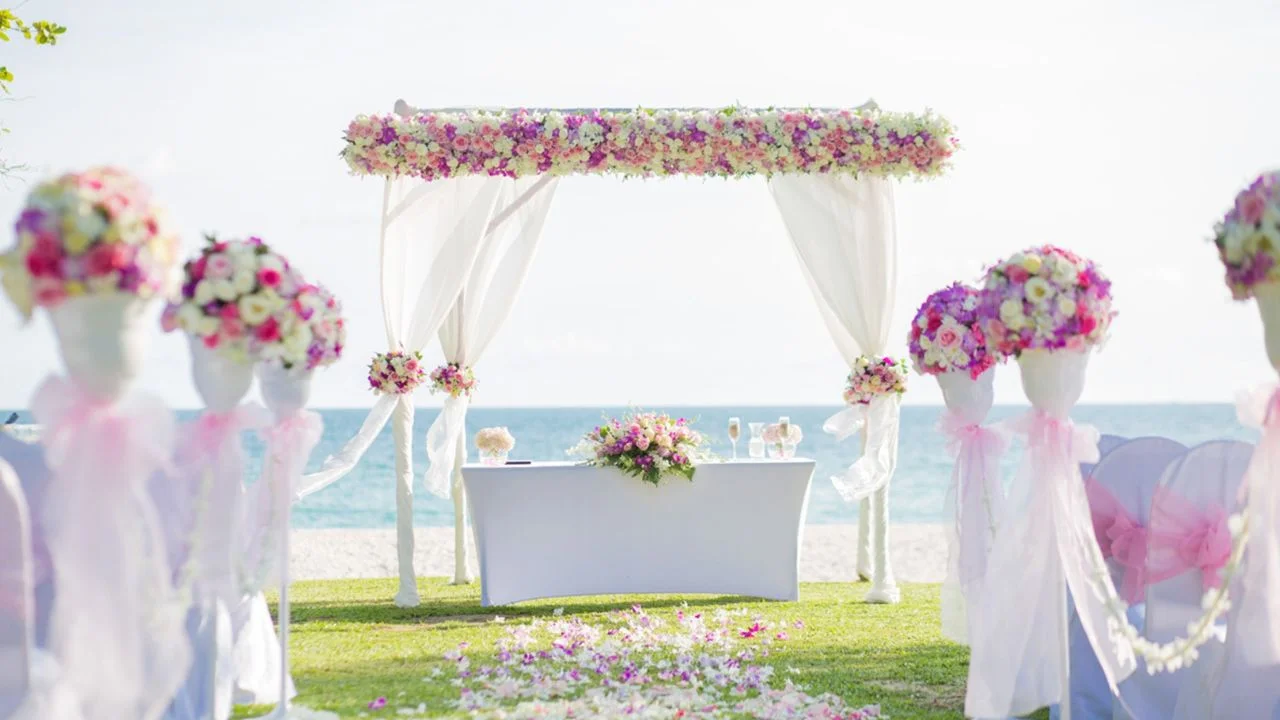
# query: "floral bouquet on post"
453,379
396,372
875,377
645,445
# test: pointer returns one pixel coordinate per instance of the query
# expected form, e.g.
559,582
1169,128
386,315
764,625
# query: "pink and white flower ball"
92,249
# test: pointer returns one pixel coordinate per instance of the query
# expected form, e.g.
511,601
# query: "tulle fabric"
1018,660
336,466
873,470
1184,537
212,466
117,624
975,482
1121,537
288,446
443,446
1260,581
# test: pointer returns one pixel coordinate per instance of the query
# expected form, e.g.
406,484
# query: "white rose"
1011,314
203,294
253,309
244,281
207,326
1066,306
224,290
297,342
189,316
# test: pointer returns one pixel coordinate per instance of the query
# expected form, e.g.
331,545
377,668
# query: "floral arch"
466,195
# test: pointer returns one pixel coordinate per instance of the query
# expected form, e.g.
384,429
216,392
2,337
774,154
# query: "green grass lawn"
350,644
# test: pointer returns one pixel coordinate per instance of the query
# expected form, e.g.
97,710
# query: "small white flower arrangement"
494,443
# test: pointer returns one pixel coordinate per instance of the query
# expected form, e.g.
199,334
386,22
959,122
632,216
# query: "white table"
559,530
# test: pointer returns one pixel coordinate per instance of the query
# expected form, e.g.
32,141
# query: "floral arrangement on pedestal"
645,445
946,334
453,379
89,233
494,443
315,331
231,296
396,372
1248,238
875,377
1045,298
782,446
728,142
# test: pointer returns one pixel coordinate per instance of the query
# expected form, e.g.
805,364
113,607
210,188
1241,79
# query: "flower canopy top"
730,142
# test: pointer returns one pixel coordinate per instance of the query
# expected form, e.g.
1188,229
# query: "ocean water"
366,497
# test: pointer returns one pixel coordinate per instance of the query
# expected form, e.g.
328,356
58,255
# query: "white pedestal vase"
103,445
1020,656
213,465
976,497
289,444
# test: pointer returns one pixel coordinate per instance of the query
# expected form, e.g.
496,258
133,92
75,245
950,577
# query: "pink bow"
1121,538
977,450
1184,537
70,415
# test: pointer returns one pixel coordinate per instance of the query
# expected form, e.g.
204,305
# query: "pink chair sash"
1121,537
1185,537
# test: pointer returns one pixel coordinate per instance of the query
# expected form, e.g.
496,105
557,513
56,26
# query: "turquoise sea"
366,497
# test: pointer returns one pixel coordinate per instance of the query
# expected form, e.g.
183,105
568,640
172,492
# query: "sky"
1119,130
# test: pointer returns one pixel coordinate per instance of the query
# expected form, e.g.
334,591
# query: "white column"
864,566
461,571
402,426
883,587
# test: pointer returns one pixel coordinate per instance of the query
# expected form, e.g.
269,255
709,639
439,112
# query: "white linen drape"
431,236
844,235
483,304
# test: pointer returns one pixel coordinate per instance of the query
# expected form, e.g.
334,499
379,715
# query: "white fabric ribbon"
875,467
975,486
1018,643
212,463
288,444
340,463
443,445
117,625
1259,607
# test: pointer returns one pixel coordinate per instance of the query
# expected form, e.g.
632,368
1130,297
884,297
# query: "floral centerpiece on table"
494,443
1045,298
646,445
875,377
946,335
396,372
231,296
307,333
453,379
1248,238
782,446
89,233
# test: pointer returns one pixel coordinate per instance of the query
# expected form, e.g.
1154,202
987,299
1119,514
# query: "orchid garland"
645,445
874,377
453,379
946,335
1248,238
1045,298
89,233
231,294
396,372
731,142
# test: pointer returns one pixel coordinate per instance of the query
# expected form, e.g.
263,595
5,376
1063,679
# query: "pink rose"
1251,206
229,312
642,443
1018,274
219,267
948,338
104,259
268,331
232,327
270,277
211,341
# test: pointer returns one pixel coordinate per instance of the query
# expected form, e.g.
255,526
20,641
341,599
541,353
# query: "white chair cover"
843,230
1206,480
31,686
257,654
1129,471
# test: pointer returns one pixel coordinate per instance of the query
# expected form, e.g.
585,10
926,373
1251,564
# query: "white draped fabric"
431,236
482,306
1045,548
844,235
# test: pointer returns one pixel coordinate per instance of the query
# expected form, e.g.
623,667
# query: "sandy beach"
918,553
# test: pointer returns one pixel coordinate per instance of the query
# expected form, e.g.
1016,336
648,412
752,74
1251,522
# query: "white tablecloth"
558,530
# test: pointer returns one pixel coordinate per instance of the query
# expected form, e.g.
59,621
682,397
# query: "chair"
30,688
1126,477
1197,494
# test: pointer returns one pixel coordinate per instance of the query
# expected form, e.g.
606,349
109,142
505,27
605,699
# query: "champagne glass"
735,431
756,446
